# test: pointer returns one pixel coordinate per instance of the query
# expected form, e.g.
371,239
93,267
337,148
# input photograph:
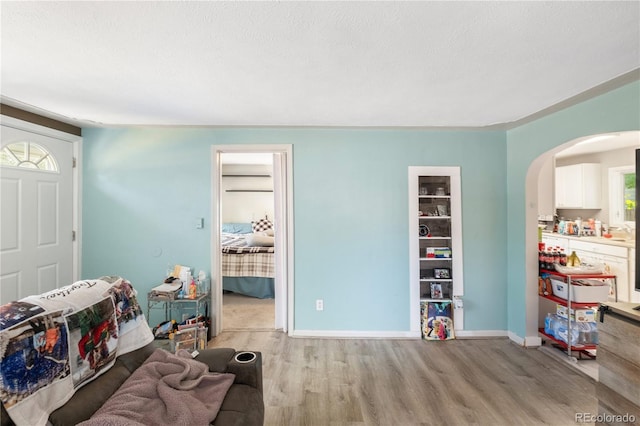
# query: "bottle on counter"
193,289
573,259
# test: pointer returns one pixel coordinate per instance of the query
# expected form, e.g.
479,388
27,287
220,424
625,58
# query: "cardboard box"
579,315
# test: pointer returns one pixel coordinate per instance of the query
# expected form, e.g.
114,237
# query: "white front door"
36,214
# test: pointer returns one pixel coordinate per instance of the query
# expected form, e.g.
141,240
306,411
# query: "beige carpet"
241,312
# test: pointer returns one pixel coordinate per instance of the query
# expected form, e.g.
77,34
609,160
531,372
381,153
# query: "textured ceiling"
444,64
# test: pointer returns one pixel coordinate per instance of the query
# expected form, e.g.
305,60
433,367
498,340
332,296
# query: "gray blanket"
166,389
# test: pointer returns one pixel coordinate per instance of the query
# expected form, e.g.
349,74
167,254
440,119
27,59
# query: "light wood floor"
412,382
240,312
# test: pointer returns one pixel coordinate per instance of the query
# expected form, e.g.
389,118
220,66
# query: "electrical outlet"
319,305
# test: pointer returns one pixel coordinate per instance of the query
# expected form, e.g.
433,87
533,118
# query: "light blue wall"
617,110
143,189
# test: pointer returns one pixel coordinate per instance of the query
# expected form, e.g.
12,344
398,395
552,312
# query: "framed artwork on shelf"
436,291
442,273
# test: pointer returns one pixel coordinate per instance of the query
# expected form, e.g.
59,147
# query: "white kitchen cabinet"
579,186
555,241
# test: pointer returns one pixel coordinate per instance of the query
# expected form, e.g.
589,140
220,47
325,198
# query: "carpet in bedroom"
241,312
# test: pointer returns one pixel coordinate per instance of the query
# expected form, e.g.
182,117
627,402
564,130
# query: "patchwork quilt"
241,260
54,343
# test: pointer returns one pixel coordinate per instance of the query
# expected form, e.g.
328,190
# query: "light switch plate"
200,223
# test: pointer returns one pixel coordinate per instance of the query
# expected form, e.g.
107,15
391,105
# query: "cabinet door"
620,268
579,186
591,186
569,186
561,178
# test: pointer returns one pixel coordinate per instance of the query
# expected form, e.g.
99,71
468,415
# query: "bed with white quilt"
248,258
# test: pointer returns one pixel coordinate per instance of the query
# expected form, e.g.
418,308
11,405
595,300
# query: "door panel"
36,249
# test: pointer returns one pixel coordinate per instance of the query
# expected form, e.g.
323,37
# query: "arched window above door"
27,155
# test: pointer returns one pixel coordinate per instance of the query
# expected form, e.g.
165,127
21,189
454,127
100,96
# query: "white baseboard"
532,341
527,342
479,334
351,334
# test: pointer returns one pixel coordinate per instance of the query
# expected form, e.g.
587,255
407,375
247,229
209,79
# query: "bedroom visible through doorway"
252,238
247,241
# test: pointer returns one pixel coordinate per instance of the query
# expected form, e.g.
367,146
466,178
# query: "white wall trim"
353,334
356,334
473,334
527,342
515,338
284,304
532,341
457,266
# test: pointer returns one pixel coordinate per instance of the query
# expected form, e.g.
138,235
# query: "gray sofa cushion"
234,408
243,404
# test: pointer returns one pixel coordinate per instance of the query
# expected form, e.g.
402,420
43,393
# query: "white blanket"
54,343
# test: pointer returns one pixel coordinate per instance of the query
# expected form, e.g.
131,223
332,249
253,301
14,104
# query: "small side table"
154,301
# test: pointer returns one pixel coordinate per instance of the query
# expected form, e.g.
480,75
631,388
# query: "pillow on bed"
237,228
261,225
259,240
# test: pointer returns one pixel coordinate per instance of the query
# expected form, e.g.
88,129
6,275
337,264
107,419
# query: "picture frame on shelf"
436,291
442,273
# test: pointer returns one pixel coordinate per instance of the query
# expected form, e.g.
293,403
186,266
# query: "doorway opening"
251,238
609,151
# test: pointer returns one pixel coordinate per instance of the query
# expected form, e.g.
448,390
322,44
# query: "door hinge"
73,235
74,162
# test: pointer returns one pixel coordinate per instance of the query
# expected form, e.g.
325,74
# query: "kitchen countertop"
625,309
599,240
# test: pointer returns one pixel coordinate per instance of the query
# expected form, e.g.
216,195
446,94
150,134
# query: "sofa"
242,405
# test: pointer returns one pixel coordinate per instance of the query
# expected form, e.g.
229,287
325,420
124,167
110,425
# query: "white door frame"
76,174
284,221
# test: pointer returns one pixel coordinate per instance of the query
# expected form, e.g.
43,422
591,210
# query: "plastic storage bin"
597,292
